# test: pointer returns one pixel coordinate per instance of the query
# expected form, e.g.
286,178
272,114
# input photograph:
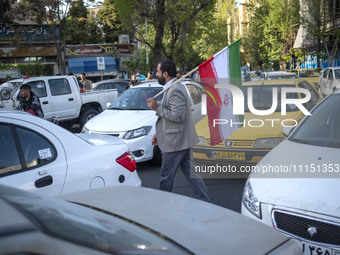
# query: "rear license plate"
228,155
312,249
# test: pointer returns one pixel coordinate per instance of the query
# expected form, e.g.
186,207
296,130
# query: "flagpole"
177,81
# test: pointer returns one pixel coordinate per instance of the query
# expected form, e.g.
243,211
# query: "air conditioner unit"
124,39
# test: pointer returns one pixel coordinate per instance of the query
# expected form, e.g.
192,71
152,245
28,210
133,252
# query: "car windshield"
263,98
135,98
322,127
88,227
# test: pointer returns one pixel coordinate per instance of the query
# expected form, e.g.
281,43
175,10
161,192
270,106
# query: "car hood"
117,120
201,227
300,188
100,140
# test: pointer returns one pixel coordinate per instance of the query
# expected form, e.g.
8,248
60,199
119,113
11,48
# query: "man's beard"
161,80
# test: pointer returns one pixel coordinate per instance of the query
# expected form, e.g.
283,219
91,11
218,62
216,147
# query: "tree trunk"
159,27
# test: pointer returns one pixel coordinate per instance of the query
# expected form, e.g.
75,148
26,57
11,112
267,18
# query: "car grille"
115,135
297,225
236,143
243,143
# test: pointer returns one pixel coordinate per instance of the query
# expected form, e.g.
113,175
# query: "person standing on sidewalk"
175,132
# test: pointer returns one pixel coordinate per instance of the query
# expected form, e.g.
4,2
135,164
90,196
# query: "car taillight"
127,160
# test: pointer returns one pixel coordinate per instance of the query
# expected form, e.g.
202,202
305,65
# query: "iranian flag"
222,68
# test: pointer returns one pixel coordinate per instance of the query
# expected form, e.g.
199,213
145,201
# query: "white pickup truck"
60,98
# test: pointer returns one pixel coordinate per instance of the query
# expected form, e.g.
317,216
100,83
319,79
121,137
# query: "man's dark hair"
169,66
25,87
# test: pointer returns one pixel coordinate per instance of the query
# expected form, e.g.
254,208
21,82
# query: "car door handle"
45,102
71,99
43,182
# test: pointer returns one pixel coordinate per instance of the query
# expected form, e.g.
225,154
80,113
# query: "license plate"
228,155
312,249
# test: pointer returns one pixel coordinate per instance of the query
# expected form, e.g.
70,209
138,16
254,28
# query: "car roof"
278,82
111,80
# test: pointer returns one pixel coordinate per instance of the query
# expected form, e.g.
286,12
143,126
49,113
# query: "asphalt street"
225,192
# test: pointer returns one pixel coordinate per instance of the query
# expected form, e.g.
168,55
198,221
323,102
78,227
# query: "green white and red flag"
223,68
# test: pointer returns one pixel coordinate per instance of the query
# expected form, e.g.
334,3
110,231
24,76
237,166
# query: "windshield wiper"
300,141
116,108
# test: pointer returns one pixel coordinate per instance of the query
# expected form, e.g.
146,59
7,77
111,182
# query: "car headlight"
84,130
201,141
268,142
137,132
250,201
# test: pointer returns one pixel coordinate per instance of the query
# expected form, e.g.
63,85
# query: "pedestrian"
86,83
133,81
81,86
149,76
29,102
175,132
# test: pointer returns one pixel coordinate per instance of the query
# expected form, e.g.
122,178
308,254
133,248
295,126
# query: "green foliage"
109,18
81,26
271,32
35,69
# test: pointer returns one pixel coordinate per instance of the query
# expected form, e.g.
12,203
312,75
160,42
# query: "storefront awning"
89,64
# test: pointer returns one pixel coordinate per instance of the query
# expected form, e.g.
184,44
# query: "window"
34,150
314,95
330,75
38,88
195,94
325,73
59,87
9,157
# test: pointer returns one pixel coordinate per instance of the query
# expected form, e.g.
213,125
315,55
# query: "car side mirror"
287,130
108,104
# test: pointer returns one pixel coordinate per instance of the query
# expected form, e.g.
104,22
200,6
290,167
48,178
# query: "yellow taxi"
259,133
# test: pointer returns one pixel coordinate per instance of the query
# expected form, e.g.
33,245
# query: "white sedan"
129,220
329,80
130,118
40,156
294,187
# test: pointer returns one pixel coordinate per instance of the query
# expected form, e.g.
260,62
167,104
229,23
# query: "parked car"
119,84
60,97
130,118
275,75
248,144
37,155
329,80
254,75
129,220
297,193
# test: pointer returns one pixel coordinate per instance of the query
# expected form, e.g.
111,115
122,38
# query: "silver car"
129,221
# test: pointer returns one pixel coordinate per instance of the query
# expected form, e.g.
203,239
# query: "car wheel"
86,116
157,156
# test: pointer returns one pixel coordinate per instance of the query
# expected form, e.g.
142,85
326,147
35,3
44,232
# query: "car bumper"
141,148
231,155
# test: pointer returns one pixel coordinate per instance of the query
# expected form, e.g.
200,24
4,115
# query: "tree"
81,26
170,21
108,17
271,32
319,19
